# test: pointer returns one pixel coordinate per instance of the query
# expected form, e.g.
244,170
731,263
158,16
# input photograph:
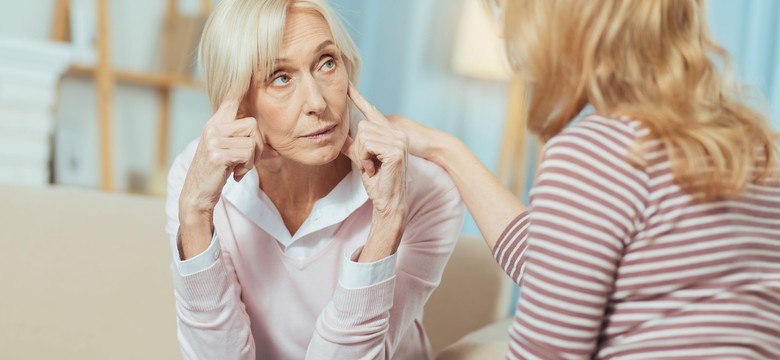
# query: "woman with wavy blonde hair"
654,223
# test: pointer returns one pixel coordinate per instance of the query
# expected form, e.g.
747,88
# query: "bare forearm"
384,237
490,203
195,232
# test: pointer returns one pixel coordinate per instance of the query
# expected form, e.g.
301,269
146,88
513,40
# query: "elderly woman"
318,245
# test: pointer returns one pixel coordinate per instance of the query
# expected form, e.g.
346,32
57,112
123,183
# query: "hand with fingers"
380,152
227,145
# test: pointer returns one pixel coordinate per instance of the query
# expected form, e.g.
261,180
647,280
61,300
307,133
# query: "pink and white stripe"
617,262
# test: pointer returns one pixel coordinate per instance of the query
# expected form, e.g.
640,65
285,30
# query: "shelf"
105,77
157,80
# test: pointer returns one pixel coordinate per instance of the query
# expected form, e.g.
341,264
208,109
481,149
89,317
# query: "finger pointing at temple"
371,112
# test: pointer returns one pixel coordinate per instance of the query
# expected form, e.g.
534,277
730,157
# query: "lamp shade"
478,50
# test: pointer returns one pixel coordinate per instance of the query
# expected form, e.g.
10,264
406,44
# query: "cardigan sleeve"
212,322
369,322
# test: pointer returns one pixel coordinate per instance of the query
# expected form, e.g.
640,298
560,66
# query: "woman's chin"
320,156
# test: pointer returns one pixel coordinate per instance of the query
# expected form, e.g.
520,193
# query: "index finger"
362,161
227,111
371,112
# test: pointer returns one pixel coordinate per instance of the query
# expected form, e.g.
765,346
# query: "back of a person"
699,279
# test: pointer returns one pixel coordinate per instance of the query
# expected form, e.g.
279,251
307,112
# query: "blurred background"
97,97
112,112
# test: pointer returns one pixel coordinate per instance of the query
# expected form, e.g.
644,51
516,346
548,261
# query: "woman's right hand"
227,145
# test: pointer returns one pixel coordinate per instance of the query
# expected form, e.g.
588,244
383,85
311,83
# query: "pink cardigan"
254,301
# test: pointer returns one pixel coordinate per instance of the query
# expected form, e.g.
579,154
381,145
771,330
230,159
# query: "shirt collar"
246,195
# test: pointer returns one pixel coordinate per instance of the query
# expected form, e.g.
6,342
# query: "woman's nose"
314,103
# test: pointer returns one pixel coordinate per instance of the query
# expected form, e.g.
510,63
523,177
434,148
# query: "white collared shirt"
316,232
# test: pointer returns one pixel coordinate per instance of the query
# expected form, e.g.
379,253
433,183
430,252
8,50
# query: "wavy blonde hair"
653,61
241,40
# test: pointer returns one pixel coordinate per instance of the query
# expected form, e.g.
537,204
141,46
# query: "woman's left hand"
380,152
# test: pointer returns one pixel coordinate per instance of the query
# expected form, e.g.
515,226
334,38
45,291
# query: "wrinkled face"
302,107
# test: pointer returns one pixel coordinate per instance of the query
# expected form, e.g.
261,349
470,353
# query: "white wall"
26,19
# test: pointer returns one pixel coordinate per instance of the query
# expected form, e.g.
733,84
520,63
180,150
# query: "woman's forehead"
303,37
305,31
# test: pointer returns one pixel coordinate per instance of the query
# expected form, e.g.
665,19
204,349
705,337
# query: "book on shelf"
29,73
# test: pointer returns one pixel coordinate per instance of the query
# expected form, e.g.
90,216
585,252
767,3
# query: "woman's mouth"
321,133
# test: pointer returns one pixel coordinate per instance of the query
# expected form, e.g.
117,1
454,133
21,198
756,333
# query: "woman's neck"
294,187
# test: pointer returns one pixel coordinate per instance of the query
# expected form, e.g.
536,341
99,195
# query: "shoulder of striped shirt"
620,131
612,125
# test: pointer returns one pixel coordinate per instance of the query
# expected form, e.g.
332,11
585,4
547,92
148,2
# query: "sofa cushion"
489,342
474,291
85,276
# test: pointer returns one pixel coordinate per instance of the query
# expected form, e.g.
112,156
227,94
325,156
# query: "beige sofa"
85,276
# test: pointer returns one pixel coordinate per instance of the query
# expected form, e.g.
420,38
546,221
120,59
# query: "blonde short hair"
242,38
653,61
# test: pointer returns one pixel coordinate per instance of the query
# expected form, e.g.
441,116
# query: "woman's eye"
328,65
281,80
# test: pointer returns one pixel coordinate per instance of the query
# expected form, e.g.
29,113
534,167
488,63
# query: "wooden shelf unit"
106,76
141,78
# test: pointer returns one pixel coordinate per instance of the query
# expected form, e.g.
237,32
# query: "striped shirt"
617,262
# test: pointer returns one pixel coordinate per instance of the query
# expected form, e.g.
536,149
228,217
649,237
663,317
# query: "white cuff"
355,275
201,261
